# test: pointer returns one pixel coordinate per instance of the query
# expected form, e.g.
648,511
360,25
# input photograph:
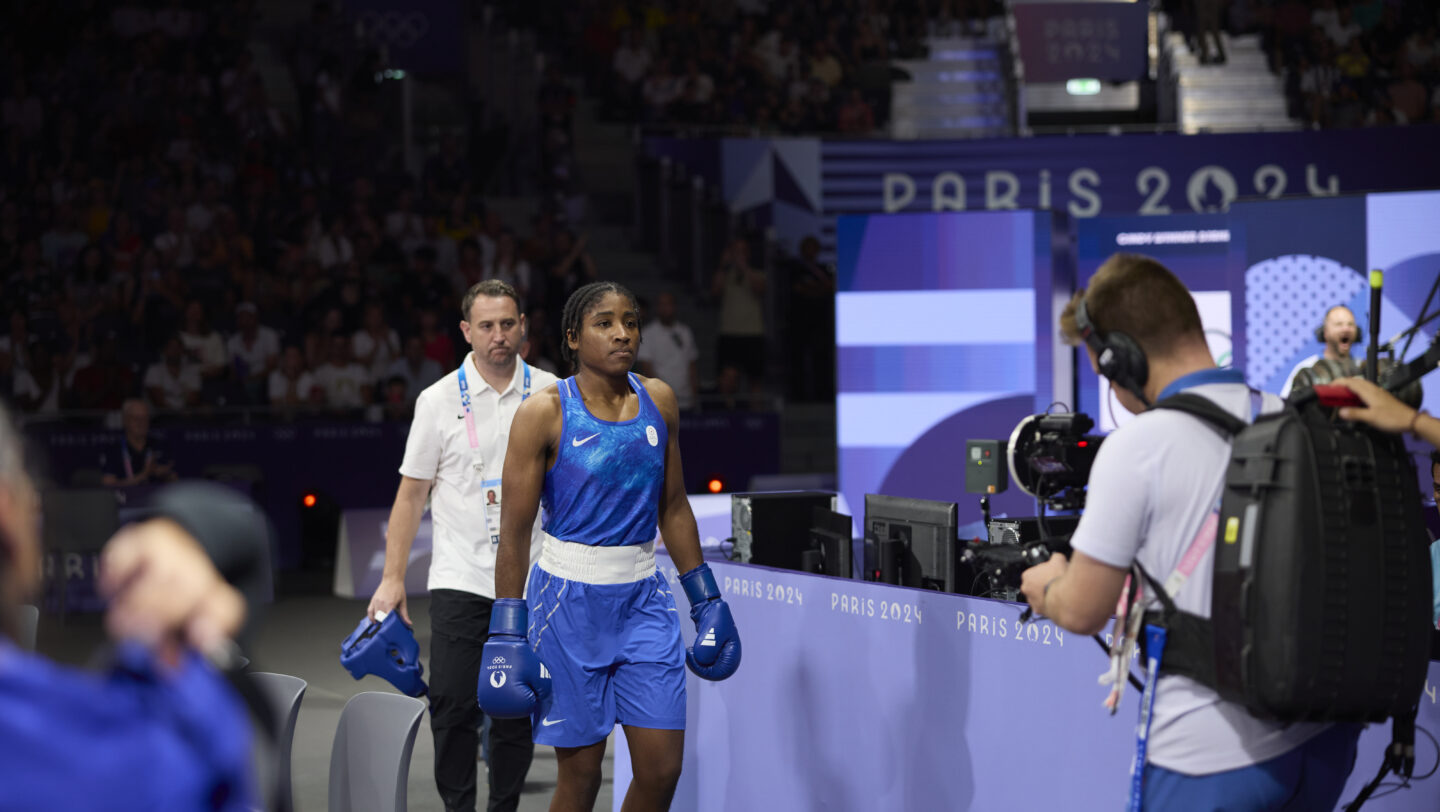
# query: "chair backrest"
370,762
284,693
79,520
29,620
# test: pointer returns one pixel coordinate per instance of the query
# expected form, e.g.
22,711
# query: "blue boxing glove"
716,652
513,681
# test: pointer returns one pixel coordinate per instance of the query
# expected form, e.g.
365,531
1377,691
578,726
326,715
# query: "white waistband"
592,564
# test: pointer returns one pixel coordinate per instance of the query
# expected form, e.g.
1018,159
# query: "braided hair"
581,302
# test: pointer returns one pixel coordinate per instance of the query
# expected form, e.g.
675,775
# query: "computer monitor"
915,542
830,550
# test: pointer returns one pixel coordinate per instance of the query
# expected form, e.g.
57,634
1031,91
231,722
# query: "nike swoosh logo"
548,722
577,442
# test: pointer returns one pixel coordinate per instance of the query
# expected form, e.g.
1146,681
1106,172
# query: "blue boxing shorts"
604,624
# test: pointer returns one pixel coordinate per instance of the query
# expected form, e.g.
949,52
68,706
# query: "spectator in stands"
204,348
333,248
318,337
573,267
810,312
106,381
631,64
541,342
141,459
423,287
1407,96
89,288
1318,84
121,243
509,267
22,113
824,66
1207,30
60,246
16,341
201,214
668,352
448,171
403,226
253,350
172,383
291,385
459,222
855,115
396,403
346,384
376,345
1354,63
38,387
35,288
438,345
469,269
659,90
740,288
175,243
417,371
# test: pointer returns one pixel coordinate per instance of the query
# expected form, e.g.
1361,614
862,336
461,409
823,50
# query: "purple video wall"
943,333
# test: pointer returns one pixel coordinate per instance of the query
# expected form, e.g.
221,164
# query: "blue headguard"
388,649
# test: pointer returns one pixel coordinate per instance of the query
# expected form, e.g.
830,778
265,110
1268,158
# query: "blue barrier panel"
862,696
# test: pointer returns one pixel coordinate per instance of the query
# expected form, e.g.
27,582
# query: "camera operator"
1385,412
159,728
1339,332
1154,483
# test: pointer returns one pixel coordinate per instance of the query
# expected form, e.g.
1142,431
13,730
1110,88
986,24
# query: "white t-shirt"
210,348
385,351
516,275
417,381
279,385
173,386
342,384
631,63
466,533
670,351
1154,482
25,385
258,355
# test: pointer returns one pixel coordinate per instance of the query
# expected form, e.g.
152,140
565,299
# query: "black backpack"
1322,601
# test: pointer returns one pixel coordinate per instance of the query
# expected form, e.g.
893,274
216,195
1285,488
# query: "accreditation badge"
491,492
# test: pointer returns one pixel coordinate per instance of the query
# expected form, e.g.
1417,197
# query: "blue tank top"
605,486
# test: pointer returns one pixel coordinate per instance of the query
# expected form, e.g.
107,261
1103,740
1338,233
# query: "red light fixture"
309,500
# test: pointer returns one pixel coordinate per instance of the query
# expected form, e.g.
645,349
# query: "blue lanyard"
125,457
1154,651
465,400
1201,378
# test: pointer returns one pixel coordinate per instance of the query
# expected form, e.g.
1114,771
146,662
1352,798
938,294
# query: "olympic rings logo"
401,29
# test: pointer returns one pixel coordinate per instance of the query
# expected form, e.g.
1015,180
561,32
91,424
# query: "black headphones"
1320,331
1117,355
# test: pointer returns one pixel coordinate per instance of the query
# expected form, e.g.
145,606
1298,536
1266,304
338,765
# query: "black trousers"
459,625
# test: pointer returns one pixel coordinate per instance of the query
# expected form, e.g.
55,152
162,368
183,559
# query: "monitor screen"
830,550
915,541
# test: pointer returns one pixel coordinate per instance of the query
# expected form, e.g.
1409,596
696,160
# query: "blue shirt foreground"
135,737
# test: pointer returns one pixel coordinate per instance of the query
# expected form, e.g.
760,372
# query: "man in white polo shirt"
454,456
1154,484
